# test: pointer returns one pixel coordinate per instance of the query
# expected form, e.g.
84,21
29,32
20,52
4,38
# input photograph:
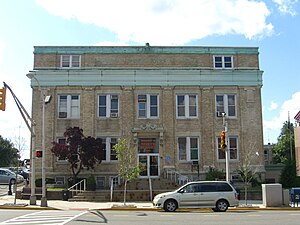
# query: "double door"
150,165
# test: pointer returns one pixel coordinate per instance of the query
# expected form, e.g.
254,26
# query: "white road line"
45,217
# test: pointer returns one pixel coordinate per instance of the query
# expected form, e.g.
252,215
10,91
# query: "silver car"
218,195
7,177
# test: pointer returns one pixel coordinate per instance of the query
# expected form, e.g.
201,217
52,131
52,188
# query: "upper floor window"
109,154
188,148
70,61
186,106
108,106
148,106
227,104
232,145
68,106
223,62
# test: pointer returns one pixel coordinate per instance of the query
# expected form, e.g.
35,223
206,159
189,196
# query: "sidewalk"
7,202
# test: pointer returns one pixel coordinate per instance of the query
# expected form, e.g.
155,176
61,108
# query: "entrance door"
150,163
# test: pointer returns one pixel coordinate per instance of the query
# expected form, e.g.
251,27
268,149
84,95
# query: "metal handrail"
173,175
112,186
78,187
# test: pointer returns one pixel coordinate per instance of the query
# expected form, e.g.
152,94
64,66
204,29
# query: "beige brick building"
167,100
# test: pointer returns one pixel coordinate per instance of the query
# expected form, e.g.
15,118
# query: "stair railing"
112,183
78,187
177,177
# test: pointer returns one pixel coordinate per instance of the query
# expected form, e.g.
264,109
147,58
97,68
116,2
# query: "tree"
78,150
247,171
285,147
288,175
9,154
128,170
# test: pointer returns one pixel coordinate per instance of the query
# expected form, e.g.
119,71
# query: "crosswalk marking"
45,218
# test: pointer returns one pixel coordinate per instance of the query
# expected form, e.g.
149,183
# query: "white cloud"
273,106
167,21
286,6
289,107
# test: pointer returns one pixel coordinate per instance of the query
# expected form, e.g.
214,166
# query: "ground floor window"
188,148
232,146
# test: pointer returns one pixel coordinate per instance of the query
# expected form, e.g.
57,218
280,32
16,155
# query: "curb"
133,208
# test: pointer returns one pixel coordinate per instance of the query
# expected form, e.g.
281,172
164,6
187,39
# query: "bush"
38,182
215,174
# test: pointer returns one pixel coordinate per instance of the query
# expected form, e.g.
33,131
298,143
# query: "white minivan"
218,195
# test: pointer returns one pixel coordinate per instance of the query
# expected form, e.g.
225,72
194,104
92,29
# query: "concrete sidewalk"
8,202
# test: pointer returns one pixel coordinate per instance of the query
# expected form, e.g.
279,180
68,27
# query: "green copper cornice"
131,77
68,50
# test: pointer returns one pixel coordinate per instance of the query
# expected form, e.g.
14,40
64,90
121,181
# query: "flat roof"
146,49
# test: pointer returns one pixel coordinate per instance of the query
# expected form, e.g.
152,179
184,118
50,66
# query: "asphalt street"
115,217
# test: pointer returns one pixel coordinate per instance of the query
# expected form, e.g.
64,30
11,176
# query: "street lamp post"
43,101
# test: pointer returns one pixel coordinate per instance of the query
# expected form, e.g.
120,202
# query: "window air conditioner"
114,115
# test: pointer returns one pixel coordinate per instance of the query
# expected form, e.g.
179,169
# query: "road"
30,217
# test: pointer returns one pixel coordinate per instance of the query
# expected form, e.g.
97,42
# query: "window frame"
71,62
108,106
148,106
106,141
188,149
69,106
223,61
230,148
186,105
226,106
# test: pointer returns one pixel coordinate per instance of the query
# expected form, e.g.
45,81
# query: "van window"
223,187
209,187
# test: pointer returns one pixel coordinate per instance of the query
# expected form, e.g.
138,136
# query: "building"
167,100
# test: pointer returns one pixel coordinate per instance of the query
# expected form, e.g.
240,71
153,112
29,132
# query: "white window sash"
186,107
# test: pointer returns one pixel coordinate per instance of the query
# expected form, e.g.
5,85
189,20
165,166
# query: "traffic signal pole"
30,123
225,148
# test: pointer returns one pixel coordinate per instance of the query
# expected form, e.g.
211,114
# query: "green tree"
78,150
288,175
285,147
9,154
128,169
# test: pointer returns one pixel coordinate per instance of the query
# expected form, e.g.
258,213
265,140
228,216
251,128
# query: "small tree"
78,150
215,174
9,154
128,170
247,173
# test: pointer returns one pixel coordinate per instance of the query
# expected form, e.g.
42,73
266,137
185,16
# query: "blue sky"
271,25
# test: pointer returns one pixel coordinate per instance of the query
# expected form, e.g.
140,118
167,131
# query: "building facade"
168,101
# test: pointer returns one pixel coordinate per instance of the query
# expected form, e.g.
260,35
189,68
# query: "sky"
271,25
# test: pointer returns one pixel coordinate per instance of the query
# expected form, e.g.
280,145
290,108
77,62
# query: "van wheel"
170,205
221,206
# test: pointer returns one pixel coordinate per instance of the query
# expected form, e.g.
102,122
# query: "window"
62,158
188,148
148,106
70,61
108,106
227,104
109,154
232,145
223,62
186,106
68,106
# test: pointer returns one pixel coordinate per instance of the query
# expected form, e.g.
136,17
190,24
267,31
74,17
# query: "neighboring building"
297,142
268,154
167,100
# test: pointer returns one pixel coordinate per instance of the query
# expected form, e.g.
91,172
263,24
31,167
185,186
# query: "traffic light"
39,153
2,98
223,140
